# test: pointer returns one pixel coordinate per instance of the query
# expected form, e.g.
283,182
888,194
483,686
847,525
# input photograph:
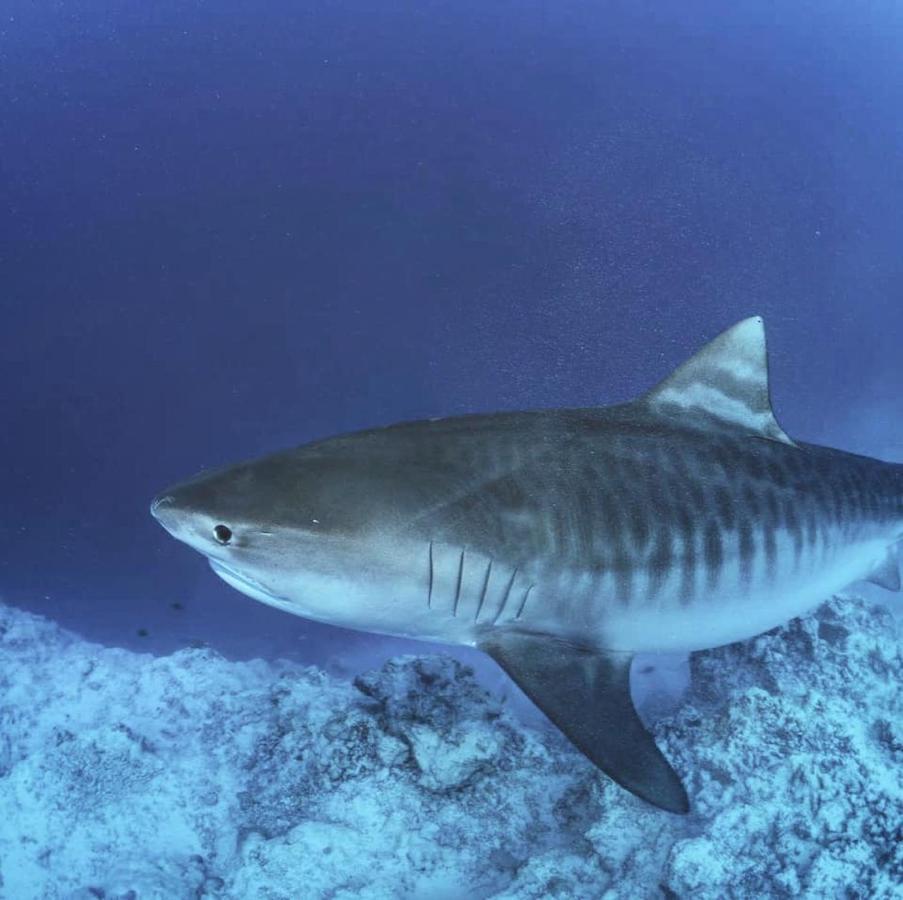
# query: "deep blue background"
233,226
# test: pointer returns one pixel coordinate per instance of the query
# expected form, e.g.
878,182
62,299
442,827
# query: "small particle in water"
143,632
177,605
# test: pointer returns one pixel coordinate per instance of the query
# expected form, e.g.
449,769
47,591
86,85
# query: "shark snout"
163,509
159,502
177,512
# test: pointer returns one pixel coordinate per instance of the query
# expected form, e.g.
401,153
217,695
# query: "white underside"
567,605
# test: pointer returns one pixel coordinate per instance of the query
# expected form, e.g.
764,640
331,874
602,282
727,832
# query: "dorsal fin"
727,380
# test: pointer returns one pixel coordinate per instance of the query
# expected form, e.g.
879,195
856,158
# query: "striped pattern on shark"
562,542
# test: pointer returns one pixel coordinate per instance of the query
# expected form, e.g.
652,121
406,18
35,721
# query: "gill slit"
523,602
501,609
458,584
429,590
483,591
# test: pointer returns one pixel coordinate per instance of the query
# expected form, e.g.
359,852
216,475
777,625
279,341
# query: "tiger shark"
562,542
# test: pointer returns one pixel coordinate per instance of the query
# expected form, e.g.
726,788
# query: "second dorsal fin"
727,381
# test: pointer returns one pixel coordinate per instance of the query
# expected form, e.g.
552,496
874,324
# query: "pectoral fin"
587,695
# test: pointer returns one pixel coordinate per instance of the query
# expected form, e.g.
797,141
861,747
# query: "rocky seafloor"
125,775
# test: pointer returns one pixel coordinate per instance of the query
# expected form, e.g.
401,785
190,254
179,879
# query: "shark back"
619,521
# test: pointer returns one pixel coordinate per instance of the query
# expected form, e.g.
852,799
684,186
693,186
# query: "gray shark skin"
562,542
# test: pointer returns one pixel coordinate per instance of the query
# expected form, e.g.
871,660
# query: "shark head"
312,531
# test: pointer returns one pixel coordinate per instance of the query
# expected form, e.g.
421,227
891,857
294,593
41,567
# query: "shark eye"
222,534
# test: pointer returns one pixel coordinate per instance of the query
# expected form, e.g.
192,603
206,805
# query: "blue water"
230,227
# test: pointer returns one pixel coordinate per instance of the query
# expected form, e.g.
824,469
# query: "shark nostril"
159,506
159,502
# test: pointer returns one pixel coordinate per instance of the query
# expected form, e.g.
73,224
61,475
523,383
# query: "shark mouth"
242,582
